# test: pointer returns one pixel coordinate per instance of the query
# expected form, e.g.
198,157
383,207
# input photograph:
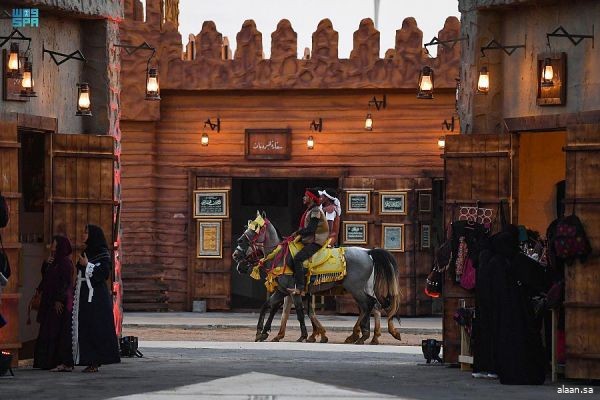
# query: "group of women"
75,315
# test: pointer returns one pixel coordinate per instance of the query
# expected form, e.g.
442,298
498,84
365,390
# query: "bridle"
255,242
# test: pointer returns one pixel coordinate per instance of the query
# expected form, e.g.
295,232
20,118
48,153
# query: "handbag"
129,347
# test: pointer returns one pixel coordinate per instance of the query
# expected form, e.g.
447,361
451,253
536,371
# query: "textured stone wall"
513,79
203,68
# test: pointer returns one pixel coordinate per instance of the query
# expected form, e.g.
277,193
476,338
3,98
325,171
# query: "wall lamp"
483,82
84,103
14,63
213,126
379,104
316,126
575,39
426,83
310,143
152,82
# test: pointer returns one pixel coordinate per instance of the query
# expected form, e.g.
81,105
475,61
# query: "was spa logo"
24,17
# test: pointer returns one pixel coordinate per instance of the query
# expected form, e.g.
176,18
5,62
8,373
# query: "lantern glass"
483,83
204,139
14,64
441,143
83,100
27,81
310,143
547,73
152,85
369,122
426,83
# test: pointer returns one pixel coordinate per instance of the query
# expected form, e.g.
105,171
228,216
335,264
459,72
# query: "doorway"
281,200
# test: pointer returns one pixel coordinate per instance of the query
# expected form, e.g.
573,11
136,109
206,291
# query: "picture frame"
392,237
392,203
209,238
355,232
425,236
424,202
211,203
358,202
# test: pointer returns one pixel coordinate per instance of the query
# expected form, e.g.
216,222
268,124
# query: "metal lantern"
204,139
369,122
426,83
441,142
152,85
27,81
547,73
14,61
483,83
310,143
83,100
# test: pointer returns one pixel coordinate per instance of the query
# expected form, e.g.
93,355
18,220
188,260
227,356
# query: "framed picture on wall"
355,232
392,237
211,204
358,202
209,238
392,203
424,202
425,236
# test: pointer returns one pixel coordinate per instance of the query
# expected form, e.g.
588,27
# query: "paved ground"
268,371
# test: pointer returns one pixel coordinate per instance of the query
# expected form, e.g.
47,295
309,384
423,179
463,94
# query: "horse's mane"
277,231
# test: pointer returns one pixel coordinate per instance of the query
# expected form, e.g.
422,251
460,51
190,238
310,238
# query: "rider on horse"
314,232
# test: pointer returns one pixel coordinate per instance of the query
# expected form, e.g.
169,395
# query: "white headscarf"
335,200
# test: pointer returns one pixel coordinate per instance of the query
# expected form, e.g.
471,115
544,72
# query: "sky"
305,15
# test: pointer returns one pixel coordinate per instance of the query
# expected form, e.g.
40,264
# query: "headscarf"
96,242
63,247
330,194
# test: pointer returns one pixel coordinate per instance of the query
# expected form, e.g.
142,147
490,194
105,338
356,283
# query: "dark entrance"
281,199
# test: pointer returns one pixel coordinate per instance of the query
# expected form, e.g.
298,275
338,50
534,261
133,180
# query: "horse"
371,277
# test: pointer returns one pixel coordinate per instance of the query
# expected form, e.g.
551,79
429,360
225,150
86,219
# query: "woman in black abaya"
94,338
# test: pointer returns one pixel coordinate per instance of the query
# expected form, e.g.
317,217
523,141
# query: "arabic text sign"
210,203
392,203
268,144
355,232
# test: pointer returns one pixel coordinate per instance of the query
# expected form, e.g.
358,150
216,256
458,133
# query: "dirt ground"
247,334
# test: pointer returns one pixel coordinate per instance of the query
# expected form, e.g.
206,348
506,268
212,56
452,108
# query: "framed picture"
392,237
358,202
425,236
392,203
268,144
355,232
209,238
211,203
424,202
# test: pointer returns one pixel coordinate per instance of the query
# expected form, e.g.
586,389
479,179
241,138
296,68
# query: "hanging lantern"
425,83
14,61
483,83
547,73
83,100
369,122
27,81
310,143
204,139
152,86
442,142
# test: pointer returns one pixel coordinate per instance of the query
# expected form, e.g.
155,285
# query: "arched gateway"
185,203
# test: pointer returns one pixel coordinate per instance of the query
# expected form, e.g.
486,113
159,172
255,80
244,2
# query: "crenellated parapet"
202,65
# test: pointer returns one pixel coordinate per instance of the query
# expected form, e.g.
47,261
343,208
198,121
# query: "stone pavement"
218,320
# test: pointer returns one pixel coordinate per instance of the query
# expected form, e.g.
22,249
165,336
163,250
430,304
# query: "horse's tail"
387,290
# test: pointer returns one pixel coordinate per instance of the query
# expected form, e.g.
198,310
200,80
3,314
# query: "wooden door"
82,192
9,187
582,297
477,169
209,272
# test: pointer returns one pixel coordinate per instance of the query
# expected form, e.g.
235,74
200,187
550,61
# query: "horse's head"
250,245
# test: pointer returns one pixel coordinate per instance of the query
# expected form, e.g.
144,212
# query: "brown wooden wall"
157,158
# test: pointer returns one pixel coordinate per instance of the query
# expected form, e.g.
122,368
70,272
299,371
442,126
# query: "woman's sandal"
90,369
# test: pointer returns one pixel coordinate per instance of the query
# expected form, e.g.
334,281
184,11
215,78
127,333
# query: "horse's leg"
366,304
274,303
391,329
261,320
313,319
300,314
355,331
377,331
285,315
317,326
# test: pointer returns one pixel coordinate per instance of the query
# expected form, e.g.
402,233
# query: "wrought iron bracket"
495,45
575,39
316,126
15,35
130,49
449,126
379,104
76,55
213,125
444,43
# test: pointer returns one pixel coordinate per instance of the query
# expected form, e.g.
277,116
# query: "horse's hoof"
261,337
375,341
311,339
350,339
276,339
301,339
324,339
360,341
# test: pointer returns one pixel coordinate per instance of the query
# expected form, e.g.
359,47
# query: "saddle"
326,265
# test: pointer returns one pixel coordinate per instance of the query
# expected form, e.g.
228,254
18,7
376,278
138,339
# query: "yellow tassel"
255,273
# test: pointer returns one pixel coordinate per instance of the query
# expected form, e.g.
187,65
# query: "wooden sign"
355,232
211,204
392,203
268,144
357,202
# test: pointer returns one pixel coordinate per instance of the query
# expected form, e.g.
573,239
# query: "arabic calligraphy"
270,145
